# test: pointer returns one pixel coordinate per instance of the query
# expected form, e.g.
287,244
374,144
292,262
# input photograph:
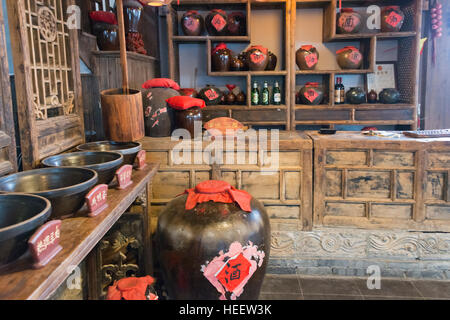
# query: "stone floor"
298,287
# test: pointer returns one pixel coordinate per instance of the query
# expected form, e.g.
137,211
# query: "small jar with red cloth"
392,19
213,242
216,23
348,21
257,58
105,28
311,94
221,58
132,289
188,113
349,58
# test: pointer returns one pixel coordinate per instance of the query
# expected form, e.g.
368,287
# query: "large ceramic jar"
349,58
132,10
107,36
216,23
307,57
192,23
348,21
211,95
188,112
356,96
389,96
221,58
236,24
312,93
257,58
392,19
213,242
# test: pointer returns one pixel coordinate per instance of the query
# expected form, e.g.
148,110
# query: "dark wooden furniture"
373,182
79,236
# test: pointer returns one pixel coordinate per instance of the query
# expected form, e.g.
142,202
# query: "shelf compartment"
380,35
245,73
212,38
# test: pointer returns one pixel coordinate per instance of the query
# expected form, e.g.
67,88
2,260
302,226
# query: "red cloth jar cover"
312,84
260,48
347,10
306,47
185,102
103,16
351,48
131,289
161,83
220,46
217,191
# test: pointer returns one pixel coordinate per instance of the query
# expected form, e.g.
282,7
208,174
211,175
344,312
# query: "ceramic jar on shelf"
241,98
192,23
389,96
132,10
356,95
272,63
230,97
213,242
105,28
221,58
237,64
307,57
211,95
236,24
311,94
349,58
392,19
187,111
257,58
216,23
372,96
348,21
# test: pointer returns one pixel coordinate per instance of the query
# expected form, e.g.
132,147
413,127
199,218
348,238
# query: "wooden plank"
79,235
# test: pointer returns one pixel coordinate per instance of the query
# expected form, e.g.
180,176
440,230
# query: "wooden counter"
376,182
79,235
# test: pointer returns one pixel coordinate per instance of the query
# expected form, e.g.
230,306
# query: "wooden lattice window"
47,75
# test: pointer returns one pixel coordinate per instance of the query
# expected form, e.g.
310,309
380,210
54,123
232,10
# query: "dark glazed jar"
158,118
389,96
307,57
185,119
132,10
236,24
244,58
272,64
221,58
240,98
311,93
213,243
356,96
348,21
257,58
237,64
107,36
192,23
189,92
216,23
372,96
392,19
211,95
349,58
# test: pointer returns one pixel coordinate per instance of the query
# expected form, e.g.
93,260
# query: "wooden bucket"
123,115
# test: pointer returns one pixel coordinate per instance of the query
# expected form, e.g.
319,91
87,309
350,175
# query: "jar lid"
307,47
351,48
218,11
312,84
392,8
191,12
217,191
220,46
347,10
132,288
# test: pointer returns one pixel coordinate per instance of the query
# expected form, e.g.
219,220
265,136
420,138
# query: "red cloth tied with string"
103,16
220,46
351,48
306,47
217,191
131,289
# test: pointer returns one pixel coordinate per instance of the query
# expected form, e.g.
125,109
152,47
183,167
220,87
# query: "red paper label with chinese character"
211,94
141,160
44,244
218,22
311,60
355,57
96,199
393,19
257,57
233,272
311,95
191,24
348,22
123,176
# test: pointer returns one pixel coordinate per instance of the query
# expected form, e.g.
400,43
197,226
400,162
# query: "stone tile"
331,297
280,296
281,284
389,288
433,289
326,286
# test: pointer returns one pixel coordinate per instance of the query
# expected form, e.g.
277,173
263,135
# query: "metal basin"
65,187
20,216
104,163
129,150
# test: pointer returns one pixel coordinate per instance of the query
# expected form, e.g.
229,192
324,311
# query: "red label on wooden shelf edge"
218,22
96,200
123,175
393,19
311,95
311,59
257,57
44,244
141,160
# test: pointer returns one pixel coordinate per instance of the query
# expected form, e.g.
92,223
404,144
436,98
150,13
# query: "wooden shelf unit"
404,113
272,115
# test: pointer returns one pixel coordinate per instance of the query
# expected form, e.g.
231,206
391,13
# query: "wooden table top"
79,235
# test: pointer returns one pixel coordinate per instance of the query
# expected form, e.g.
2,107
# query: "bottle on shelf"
255,94
339,91
265,95
276,94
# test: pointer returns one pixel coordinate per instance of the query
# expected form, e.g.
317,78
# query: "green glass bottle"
265,96
276,94
255,94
